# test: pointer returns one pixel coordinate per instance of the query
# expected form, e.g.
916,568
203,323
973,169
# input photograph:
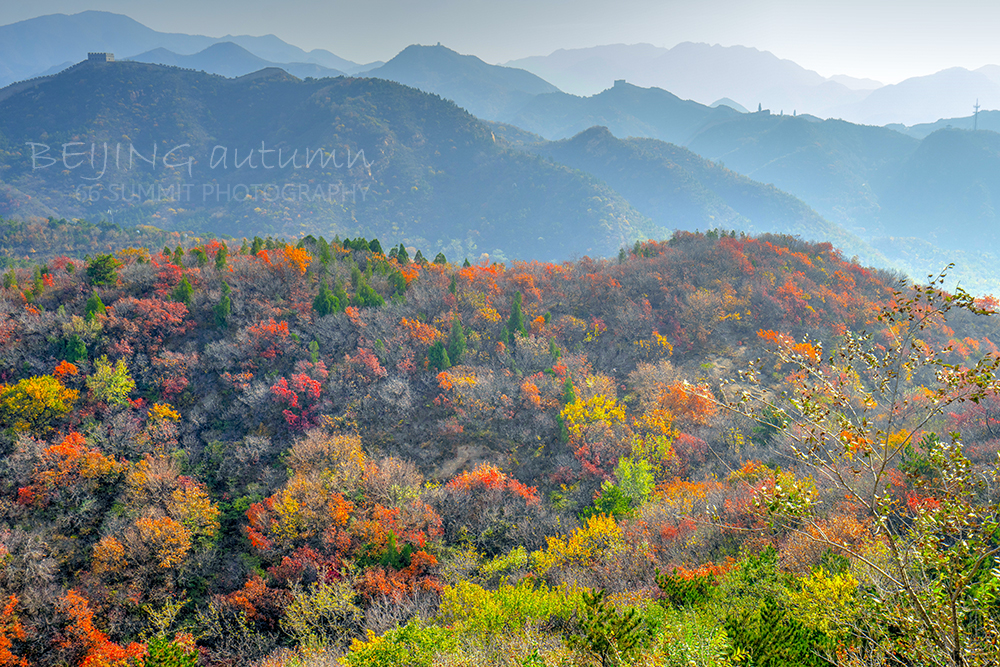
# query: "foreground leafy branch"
855,418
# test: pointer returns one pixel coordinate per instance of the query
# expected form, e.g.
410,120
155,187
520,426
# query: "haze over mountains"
624,163
705,73
36,46
431,175
230,60
700,72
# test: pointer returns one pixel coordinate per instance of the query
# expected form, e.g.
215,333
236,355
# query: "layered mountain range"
743,76
530,171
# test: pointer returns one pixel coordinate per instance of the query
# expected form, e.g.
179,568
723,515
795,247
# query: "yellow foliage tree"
289,256
826,601
598,540
34,403
191,506
165,539
340,457
597,409
109,556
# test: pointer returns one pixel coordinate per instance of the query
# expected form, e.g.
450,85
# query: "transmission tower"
976,118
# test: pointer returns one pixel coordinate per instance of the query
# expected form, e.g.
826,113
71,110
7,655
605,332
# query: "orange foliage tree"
85,644
11,630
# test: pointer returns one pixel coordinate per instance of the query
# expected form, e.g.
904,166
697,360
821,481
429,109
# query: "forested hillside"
270,154
680,190
282,453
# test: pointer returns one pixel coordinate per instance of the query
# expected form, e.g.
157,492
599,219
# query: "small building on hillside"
101,57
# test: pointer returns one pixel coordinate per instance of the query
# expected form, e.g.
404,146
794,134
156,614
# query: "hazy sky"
885,40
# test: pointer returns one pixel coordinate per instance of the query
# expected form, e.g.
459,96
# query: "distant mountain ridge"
705,73
230,60
987,120
918,193
943,94
625,109
35,46
699,72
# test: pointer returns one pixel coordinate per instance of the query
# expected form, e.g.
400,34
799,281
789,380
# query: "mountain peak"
487,91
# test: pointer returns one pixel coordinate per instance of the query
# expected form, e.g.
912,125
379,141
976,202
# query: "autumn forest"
713,450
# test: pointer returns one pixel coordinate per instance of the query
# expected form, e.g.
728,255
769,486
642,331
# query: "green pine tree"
325,302
437,357
222,309
324,251
93,307
366,296
183,291
340,295
563,431
613,637
569,394
76,350
398,283
221,256
515,324
440,258
103,270
456,342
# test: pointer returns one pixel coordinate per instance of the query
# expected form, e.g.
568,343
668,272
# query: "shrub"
412,645
509,608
